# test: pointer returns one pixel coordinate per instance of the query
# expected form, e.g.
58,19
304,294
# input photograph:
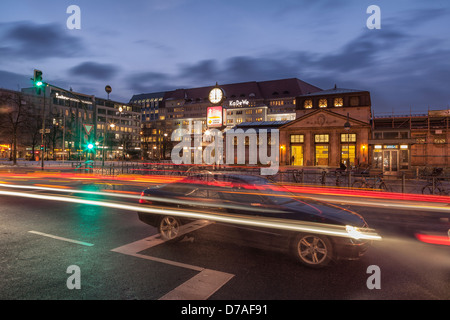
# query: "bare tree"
14,115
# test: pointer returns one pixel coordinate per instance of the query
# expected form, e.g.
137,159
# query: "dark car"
315,232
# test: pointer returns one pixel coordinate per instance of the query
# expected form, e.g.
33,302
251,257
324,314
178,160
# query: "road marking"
201,286
133,249
60,238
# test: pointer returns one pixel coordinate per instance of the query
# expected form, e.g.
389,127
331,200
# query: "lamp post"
347,127
112,125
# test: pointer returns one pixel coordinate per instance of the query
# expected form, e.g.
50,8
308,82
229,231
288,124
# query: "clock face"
216,95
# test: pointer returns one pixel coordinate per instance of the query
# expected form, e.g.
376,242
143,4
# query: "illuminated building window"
439,140
308,104
421,140
297,138
322,138
348,137
322,103
338,102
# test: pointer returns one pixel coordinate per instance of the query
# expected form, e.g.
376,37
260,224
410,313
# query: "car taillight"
142,201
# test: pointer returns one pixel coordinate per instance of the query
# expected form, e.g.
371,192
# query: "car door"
250,203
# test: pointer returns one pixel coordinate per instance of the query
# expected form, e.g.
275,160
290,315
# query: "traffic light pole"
43,132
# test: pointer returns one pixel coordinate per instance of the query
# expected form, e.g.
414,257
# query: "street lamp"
111,125
347,127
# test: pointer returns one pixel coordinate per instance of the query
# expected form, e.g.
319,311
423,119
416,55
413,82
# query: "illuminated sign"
239,103
215,117
59,96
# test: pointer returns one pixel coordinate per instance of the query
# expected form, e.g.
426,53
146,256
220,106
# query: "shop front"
320,139
391,158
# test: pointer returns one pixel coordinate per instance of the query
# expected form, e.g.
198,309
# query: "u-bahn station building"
317,128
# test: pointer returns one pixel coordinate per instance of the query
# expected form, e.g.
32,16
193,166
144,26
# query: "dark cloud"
144,82
362,52
200,71
94,70
38,41
386,62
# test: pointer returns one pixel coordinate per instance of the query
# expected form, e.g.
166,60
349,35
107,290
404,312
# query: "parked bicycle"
376,183
434,184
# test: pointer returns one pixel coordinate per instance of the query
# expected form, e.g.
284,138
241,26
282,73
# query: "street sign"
88,128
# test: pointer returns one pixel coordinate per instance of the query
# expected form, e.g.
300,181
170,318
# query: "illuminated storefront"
5,150
332,128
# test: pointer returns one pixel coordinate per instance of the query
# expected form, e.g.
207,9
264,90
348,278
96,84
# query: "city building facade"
65,123
244,102
332,127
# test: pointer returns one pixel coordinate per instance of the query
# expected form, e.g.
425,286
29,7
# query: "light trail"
332,230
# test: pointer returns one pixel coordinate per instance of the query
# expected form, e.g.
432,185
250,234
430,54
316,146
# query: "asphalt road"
120,258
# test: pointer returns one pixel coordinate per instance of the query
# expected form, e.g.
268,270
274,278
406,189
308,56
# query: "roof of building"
144,96
272,89
335,90
261,124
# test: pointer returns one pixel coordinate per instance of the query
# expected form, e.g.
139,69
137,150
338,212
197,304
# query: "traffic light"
37,80
42,147
90,146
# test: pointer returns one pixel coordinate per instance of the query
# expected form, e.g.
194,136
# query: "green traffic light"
90,146
39,84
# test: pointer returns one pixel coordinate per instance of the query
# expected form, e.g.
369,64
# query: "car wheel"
169,228
313,250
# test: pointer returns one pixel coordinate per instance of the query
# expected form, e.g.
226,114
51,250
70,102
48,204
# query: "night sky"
143,46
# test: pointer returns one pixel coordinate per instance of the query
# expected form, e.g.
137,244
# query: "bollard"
349,179
403,182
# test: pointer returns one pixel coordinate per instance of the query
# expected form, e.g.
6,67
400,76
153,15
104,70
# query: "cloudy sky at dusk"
142,46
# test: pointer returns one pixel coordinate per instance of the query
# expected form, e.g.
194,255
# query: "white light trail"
291,225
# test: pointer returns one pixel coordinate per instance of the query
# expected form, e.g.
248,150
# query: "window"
348,137
322,138
308,104
354,101
322,103
421,140
297,138
439,140
338,102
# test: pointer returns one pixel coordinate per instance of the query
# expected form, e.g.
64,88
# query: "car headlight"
353,232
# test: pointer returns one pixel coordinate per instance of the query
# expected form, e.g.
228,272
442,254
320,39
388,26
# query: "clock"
216,96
